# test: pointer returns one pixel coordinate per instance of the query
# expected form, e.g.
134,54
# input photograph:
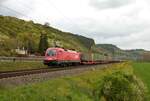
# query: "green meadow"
115,83
20,65
142,70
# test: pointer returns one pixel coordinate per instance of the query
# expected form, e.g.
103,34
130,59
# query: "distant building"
21,51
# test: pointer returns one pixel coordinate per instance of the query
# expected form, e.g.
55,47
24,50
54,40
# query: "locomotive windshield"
51,52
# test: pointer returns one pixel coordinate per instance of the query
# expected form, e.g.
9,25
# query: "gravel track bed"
34,78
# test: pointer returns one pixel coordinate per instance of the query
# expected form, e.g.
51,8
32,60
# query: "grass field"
87,86
142,70
20,65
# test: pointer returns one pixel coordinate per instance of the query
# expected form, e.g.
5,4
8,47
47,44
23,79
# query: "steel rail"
8,74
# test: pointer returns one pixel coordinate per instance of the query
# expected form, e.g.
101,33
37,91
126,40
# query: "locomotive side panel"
58,56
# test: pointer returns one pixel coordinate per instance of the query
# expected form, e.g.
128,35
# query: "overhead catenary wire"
25,5
28,7
64,16
14,11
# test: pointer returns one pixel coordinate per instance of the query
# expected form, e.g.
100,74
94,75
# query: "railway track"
9,74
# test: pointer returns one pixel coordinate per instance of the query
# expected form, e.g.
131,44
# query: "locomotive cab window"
51,53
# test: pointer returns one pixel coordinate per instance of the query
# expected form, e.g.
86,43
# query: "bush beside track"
117,83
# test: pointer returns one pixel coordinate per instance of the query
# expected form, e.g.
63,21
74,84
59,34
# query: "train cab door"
60,55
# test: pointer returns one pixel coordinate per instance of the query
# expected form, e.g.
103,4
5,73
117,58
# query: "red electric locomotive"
60,56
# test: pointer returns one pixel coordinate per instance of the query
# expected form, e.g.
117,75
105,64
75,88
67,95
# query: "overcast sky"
125,23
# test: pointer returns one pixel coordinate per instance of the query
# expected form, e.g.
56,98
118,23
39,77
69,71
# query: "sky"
125,23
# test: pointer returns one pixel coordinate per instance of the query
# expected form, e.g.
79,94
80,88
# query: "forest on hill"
19,34
117,53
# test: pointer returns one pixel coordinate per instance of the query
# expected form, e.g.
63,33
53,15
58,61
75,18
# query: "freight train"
65,57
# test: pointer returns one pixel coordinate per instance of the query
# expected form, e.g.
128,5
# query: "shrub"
122,87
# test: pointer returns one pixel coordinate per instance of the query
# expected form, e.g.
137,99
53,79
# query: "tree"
46,24
30,47
26,40
43,44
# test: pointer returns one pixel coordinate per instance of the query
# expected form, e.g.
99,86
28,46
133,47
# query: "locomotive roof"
62,49
56,48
